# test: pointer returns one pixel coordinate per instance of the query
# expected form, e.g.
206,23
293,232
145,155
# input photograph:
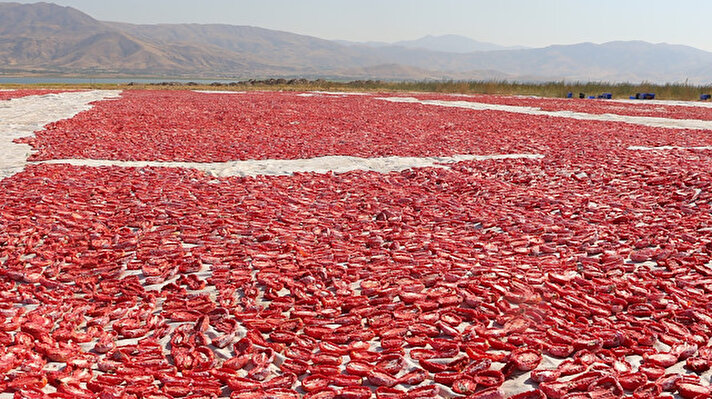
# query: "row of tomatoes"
10,94
200,127
689,110
400,285
168,283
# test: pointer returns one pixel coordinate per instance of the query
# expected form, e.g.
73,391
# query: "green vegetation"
559,89
548,89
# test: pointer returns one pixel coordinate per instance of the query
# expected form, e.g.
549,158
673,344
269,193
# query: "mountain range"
45,38
443,43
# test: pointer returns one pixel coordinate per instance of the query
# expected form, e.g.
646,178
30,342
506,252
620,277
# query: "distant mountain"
631,61
367,44
445,43
44,38
453,44
275,52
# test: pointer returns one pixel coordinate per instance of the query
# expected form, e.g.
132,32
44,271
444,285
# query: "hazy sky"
533,23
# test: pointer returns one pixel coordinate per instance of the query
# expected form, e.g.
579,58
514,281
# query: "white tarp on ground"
666,148
21,117
636,120
335,164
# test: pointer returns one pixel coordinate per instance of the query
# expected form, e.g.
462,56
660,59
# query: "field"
678,91
549,249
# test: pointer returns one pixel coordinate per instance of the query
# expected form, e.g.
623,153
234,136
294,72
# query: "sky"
531,23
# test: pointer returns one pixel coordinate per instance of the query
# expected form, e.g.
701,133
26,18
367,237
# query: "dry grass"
549,89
